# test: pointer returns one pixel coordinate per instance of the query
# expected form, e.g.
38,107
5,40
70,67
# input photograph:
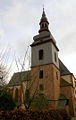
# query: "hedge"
6,101
20,114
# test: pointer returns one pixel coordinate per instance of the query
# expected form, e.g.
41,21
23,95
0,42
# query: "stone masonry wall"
50,82
68,91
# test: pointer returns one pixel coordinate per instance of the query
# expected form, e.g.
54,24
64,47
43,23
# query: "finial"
43,7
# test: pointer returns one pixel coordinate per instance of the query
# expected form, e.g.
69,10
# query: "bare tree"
5,69
21,66
2,74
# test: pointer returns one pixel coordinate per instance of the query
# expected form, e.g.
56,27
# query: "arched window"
42,25
16,95
10,91
45,25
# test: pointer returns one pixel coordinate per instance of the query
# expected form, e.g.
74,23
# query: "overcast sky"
19,22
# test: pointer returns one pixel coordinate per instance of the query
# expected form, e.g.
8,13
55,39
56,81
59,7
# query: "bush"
6,101
20,114
40,103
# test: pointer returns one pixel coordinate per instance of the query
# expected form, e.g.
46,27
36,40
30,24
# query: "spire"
43,15
43,7
43,22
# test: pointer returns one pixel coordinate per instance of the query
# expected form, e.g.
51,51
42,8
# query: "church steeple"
43,22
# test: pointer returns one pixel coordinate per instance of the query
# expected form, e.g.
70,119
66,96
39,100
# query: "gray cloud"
19,21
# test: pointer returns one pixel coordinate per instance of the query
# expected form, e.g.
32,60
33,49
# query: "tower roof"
44,35
43,23
43,18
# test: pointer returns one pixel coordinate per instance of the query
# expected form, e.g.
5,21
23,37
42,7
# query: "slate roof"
64,83
63,69
19,77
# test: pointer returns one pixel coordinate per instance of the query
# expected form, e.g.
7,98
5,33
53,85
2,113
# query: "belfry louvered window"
40,54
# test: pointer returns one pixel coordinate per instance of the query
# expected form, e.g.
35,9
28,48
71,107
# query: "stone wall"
68,91
50,82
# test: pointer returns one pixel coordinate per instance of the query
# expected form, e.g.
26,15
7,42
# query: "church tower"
45,74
